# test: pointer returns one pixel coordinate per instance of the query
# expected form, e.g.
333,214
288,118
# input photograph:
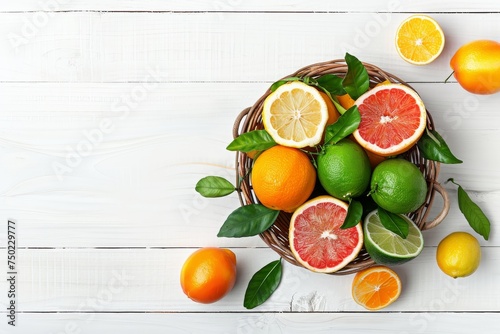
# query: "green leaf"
473,213
356,81
354,214
433,147
262,284
248,220
344,126
281,82
331,83
214,186
339,107
257,140
394,222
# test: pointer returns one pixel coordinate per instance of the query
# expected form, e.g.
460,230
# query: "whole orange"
476,66
208,274
283,178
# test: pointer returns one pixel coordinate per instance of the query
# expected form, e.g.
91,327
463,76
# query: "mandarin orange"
208,274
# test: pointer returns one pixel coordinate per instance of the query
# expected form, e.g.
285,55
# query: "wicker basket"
276,237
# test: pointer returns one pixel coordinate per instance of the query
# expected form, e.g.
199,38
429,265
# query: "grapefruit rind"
325,236
404,144
295,115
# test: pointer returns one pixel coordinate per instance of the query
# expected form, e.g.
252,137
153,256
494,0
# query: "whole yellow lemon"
458,254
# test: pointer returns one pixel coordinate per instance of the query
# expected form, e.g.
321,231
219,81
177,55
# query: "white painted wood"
138,178
103,280
148,91
322,323
251,6
187,47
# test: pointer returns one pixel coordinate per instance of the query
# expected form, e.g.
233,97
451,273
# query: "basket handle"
237,122
444,211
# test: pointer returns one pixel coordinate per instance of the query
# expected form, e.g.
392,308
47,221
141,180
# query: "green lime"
398,186
388,248
344,169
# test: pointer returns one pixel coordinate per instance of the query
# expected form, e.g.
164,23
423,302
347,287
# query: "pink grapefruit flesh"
393,118
316,239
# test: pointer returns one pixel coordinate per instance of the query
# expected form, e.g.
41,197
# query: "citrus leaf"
354,214
281,82
433,147
344,126
214,186
331,83
338,106
257,140
262,284
248,220
356,81
472,212
394,222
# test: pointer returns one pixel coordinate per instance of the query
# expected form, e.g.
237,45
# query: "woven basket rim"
276,237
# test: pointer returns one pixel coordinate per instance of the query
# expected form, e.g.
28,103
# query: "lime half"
386,247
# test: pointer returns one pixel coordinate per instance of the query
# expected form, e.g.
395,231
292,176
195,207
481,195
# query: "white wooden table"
110,111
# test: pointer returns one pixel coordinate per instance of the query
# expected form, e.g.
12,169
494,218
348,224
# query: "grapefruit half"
316,239
393,118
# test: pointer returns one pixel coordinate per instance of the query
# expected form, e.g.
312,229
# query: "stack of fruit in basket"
386,121
330,153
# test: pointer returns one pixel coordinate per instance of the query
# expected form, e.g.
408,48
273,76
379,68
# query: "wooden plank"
253,6
135,182
144,280
321,323
191,47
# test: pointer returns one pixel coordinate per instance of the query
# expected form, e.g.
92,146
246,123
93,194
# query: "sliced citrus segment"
386,247
419,39
376,287
295,115
316,239
393,118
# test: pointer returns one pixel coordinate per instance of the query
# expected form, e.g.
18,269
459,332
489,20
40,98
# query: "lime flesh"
388,248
